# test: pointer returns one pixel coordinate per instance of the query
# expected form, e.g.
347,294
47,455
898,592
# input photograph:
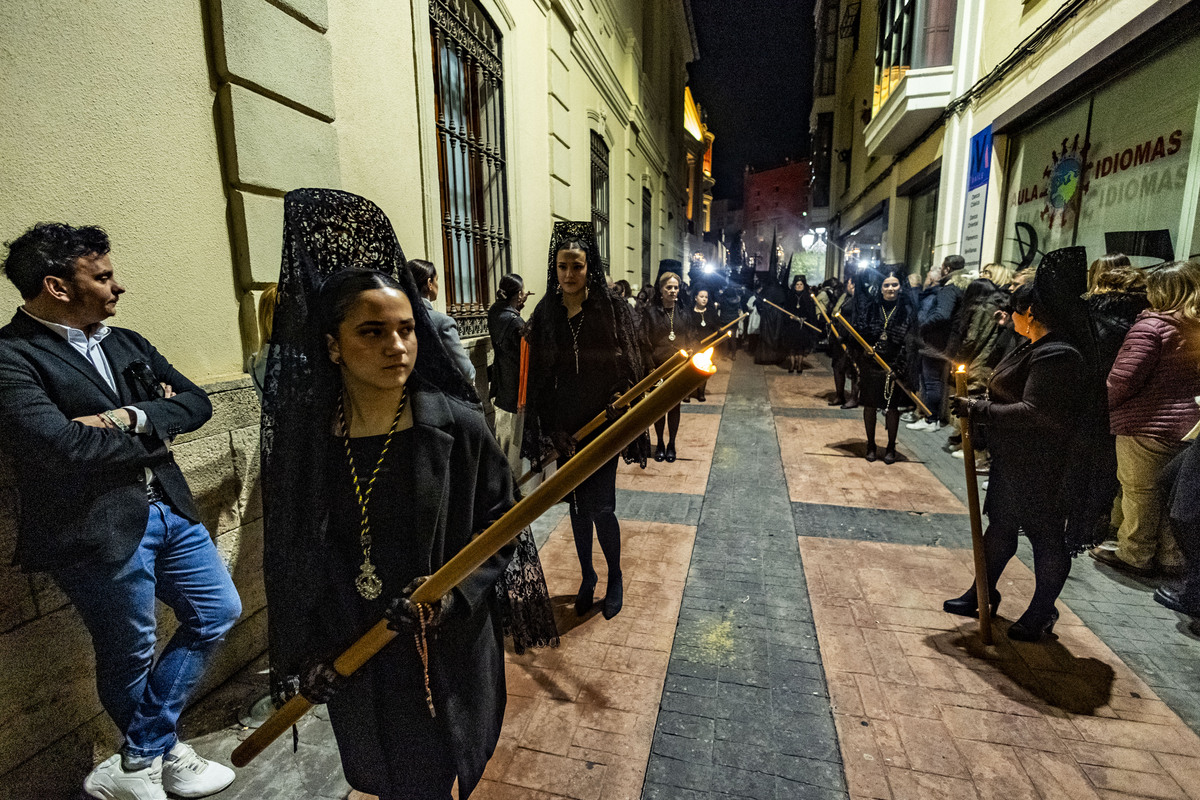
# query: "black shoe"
853,403
871,453
967,605
613,597
1172,598
702,397
838,401
791,370
1113,560
670,455
1032,631
889,456
586,597
660,452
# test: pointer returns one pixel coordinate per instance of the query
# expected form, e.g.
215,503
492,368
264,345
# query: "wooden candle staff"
968,449
793,316
608,444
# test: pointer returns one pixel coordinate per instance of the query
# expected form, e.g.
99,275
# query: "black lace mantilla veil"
324,231
631,360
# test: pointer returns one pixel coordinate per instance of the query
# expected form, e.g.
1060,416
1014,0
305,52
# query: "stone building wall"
52,727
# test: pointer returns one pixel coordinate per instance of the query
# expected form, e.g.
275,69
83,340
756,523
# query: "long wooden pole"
641,387
608,444
879,359
793,316
832,327
982,591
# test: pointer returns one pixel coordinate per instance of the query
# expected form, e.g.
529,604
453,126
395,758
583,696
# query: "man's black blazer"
82,489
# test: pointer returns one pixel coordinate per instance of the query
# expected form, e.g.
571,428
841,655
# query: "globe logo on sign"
1064,182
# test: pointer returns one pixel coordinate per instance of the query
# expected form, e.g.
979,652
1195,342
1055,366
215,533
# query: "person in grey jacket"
939,300
425,274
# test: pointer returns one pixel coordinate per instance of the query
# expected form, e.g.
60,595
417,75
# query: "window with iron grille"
827,42
468,81
894,50
647,241
600,195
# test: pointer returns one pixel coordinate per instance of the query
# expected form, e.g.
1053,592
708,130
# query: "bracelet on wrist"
112,417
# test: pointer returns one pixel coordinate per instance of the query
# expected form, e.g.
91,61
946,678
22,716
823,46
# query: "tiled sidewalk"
924,710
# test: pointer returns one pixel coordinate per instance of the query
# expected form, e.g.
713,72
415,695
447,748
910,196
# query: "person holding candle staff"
668,327
883,316
583,352
1034,399
377,468
707,322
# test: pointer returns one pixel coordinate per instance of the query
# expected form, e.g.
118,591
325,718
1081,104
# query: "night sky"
754,80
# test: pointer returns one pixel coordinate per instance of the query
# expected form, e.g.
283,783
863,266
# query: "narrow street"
745,666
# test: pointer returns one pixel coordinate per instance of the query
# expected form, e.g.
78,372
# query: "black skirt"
597,494
875,389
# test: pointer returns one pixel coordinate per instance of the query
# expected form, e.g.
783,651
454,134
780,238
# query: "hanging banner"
978,172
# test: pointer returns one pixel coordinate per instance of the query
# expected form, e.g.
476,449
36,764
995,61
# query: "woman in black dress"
707,322
798,338
378,467
883,316
1031,408
583,352
668,327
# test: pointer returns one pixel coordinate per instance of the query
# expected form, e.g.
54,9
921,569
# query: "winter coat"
937,306
1155,379
982,345
504,328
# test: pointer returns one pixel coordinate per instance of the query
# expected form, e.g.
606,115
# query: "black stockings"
1051,565
843,367
608,531
671,420
891,420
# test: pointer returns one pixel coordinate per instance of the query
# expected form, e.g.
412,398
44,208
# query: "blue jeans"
176,562
933,385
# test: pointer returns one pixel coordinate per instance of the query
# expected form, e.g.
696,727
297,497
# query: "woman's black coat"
1033,405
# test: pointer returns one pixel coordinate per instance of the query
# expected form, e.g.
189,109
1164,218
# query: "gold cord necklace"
887,319
367,583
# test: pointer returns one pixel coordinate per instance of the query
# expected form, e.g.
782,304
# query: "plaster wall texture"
126,142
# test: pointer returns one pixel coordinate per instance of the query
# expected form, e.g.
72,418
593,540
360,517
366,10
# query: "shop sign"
978,172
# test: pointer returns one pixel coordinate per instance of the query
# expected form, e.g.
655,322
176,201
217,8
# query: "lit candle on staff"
605,446
981,585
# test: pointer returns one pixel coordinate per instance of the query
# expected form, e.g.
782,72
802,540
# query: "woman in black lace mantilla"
583,351
377,468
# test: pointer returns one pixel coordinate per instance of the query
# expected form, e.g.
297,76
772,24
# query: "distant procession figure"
377,467
426,277
583,352
844,349
883,315
668,326
506,329
798,338
707,321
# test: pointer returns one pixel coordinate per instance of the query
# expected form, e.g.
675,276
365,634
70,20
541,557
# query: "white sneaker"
186,774
110,781
909,416
959,455
921,425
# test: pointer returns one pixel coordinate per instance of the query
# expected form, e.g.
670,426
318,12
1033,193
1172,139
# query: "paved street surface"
782,637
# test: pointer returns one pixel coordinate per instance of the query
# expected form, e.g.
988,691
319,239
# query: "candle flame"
961,368
703,361
683,353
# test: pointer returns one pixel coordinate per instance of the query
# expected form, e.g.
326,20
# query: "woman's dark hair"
977,290
423,272
510,286
573,244
1110,262
1026,298
626,289
341,289
50,248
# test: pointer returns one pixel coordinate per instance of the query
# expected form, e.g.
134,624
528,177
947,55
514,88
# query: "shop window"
600,195
468,82
1111,171
922,219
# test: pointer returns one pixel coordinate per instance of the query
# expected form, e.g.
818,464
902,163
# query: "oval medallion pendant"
671,336
368,583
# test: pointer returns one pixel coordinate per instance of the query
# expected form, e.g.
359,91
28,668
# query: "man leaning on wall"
88,412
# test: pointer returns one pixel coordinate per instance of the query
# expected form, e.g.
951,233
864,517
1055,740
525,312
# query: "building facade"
775,205
1068,123
179,126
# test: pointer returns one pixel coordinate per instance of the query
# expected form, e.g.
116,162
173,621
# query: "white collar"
73,335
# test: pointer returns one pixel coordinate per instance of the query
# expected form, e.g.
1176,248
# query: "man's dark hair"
953,264
423,272
51,248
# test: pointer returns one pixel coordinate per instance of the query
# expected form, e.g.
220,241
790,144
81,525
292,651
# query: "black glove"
960,406
319,681
564,443
402,613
